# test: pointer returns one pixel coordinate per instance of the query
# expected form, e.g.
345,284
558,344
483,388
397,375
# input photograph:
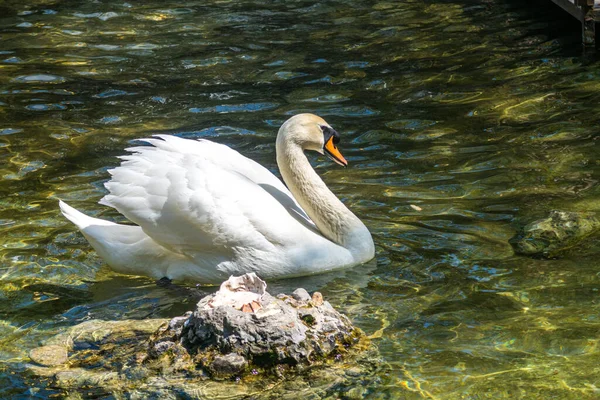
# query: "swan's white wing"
199,197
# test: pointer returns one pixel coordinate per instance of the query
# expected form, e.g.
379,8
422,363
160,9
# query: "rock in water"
49,355
235,344
231,364
301,294
560,231
243,328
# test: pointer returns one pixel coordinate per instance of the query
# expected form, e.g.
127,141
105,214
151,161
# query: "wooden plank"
588,13
589,24
576,10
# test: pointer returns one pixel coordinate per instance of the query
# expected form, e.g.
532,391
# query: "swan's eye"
329,133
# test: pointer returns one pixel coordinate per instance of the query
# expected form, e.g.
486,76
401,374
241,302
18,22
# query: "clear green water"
484,114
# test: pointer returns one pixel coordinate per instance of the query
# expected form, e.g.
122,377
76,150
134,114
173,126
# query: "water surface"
462,121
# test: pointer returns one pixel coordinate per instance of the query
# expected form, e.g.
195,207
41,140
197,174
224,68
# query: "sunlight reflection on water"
462,121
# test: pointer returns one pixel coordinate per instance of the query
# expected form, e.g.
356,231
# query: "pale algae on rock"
283,343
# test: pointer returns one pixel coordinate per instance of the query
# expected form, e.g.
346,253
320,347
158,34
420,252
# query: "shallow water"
462,121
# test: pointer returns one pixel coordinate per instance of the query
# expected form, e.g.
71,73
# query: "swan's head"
311,132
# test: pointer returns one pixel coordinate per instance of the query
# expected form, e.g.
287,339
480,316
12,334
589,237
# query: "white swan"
205,212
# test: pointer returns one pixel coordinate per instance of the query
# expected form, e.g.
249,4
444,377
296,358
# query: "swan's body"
205,212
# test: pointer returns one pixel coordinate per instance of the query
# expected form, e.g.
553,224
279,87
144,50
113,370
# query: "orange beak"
334,153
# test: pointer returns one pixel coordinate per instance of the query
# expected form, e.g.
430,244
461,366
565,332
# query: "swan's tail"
126,248
80,219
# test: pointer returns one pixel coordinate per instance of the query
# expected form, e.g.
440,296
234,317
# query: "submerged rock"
239,341
49,355
550,236
227,365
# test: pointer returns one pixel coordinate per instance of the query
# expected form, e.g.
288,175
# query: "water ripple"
349,111
462,121
45,107
10,131
40,78
113,93
234,108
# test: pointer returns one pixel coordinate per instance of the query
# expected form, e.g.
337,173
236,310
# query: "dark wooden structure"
588,12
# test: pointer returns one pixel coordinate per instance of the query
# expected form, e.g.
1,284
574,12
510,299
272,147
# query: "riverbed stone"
49,355
229,364
81,377
89,333
561,230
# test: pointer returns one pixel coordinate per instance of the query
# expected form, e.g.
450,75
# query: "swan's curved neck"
334,220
